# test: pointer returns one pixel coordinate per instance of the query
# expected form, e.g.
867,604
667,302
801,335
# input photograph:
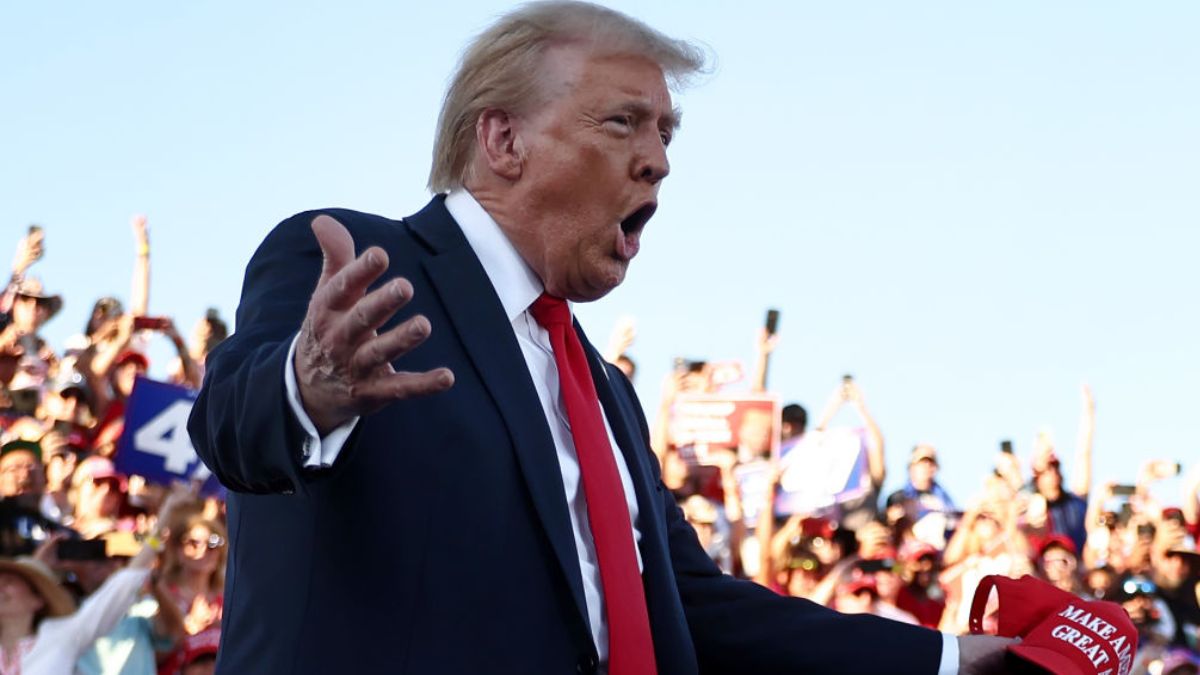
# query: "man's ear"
496,133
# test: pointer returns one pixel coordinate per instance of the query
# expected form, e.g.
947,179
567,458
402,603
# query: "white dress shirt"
518,286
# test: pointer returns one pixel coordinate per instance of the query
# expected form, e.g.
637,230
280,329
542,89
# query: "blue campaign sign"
155,443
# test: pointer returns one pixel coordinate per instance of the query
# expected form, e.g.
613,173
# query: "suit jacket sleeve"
740,627
241,425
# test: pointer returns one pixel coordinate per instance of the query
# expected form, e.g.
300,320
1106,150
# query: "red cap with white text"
1060,632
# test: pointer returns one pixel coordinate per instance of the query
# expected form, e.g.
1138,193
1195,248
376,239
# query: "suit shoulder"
354,221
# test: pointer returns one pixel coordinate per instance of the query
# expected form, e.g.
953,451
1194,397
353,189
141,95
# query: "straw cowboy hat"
44,583
31,287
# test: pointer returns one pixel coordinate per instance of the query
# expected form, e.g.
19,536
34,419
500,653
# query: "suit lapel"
479,319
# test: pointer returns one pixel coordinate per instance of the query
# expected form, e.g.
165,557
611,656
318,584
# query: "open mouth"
629,238
637,220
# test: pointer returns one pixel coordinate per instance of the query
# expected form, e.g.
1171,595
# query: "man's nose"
652,165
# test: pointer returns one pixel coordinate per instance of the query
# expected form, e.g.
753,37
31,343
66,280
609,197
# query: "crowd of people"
918,554
100,572
104,572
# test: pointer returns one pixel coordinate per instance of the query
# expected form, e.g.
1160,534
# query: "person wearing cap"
41,630
922,488
1177,575
22,482
31,309
60,456
1058,563
98,493
1155,624
66,404
921,595
126,368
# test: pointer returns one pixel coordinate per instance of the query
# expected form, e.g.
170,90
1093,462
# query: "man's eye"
623,122
666,138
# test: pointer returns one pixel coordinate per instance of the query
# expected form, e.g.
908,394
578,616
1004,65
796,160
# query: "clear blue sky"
972,207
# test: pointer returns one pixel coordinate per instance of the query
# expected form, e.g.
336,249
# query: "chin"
590,288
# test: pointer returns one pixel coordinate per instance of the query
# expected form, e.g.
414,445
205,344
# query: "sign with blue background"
155,443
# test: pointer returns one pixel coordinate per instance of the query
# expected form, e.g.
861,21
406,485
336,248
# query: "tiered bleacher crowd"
103,572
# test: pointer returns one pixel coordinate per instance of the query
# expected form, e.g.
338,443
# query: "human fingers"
347,285
397,386
337,246
389,346
372,311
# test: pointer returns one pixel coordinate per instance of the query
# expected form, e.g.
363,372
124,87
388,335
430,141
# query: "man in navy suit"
428,474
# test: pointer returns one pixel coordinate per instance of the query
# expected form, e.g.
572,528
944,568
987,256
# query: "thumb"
336,244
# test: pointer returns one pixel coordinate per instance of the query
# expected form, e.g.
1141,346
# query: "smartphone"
1006,447
150,322
772,321
873,566
82,549
1123,490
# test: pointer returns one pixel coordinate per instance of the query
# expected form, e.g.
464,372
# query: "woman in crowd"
193,571
41,631
986,542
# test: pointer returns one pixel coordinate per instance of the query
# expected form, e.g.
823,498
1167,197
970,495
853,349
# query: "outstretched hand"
343,364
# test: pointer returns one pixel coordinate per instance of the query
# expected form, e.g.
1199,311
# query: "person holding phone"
42,632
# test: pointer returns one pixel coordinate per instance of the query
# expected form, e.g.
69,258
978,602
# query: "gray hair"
500,69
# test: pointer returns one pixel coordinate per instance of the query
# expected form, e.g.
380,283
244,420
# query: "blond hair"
501,69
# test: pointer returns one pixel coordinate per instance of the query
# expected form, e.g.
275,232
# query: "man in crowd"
552,146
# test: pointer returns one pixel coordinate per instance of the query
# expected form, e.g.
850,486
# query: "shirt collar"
515,282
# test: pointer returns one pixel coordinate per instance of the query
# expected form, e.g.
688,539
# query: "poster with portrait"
748,423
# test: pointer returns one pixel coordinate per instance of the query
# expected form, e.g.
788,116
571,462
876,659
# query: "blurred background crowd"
103,572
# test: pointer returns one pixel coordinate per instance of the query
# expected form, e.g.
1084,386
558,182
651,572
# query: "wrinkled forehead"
599,77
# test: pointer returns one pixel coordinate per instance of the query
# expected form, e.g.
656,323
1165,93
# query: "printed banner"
822,469
749,423
155,443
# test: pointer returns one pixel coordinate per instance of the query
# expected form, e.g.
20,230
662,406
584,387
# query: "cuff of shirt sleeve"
949,664
318,453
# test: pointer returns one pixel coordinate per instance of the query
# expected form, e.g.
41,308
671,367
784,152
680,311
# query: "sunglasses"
1137,587
212,542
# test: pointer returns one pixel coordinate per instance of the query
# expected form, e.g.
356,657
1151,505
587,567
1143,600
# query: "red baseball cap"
132,355
1060,540
1060,632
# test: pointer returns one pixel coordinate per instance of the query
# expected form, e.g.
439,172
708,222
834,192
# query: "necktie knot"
550,311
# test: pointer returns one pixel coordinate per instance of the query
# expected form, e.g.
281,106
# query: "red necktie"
630,647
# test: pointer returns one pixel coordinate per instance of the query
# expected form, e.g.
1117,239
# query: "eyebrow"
643,111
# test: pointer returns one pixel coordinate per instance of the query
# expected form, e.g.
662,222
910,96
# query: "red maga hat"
1060,632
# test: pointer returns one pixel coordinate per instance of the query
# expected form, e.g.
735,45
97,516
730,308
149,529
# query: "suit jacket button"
586,665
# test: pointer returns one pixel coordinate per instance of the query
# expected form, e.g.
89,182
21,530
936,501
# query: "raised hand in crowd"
343,365
139,303
849,393
624,332
30,249
764,346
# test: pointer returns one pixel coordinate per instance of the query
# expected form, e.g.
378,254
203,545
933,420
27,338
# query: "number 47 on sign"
155,443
